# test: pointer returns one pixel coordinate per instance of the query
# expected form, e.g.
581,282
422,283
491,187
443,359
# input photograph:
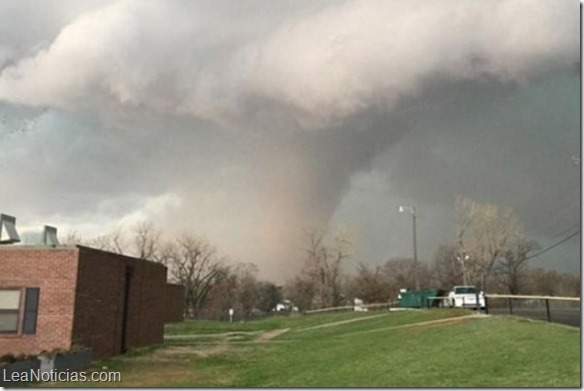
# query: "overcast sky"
248,122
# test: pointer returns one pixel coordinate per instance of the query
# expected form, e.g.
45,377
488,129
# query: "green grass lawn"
268,323
378,349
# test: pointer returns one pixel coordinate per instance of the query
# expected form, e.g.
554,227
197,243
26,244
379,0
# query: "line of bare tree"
213,284
490,251
491,244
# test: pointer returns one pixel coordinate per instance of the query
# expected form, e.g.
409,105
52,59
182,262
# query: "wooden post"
510,301
547,308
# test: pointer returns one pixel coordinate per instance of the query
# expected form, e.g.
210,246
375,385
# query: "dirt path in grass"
425,324
332,324
211,336
229,337
269,335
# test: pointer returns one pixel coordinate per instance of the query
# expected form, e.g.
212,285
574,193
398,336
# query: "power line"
554,245
572,207
564,231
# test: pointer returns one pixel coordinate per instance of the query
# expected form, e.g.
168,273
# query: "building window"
31,308
9,310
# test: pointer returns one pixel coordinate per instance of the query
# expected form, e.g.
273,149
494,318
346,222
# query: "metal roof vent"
50,236
8,234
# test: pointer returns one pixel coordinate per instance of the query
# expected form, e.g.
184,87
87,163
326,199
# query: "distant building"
56,297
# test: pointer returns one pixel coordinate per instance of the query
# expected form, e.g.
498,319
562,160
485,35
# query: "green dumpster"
420,298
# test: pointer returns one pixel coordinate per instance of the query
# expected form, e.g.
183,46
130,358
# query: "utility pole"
412,210
415,248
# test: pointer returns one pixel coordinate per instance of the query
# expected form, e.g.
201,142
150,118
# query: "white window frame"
17,311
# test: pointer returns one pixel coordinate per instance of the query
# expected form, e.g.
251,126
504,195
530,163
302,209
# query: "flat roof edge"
14,247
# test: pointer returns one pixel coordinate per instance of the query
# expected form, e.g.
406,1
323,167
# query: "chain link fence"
565,310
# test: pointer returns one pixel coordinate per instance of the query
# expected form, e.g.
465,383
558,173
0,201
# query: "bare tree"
571,285
447,269
268,295
114,241
301,291
142,241
146,240
544,282
400,273
324,263
247,287
370,285
485,230
221,297
242,291
193,263
72,238
323,267
551,283
511,269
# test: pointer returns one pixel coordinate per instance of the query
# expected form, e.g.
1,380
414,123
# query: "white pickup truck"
465,296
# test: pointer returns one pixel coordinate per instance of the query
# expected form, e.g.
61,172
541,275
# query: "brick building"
55,297
175,303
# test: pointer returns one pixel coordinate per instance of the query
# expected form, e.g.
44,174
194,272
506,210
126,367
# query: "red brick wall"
82,293
99,309
147,311
175,303
54,271
99,303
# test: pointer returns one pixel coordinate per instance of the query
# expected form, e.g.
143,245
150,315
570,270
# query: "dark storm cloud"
247,121
522,138
494,143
